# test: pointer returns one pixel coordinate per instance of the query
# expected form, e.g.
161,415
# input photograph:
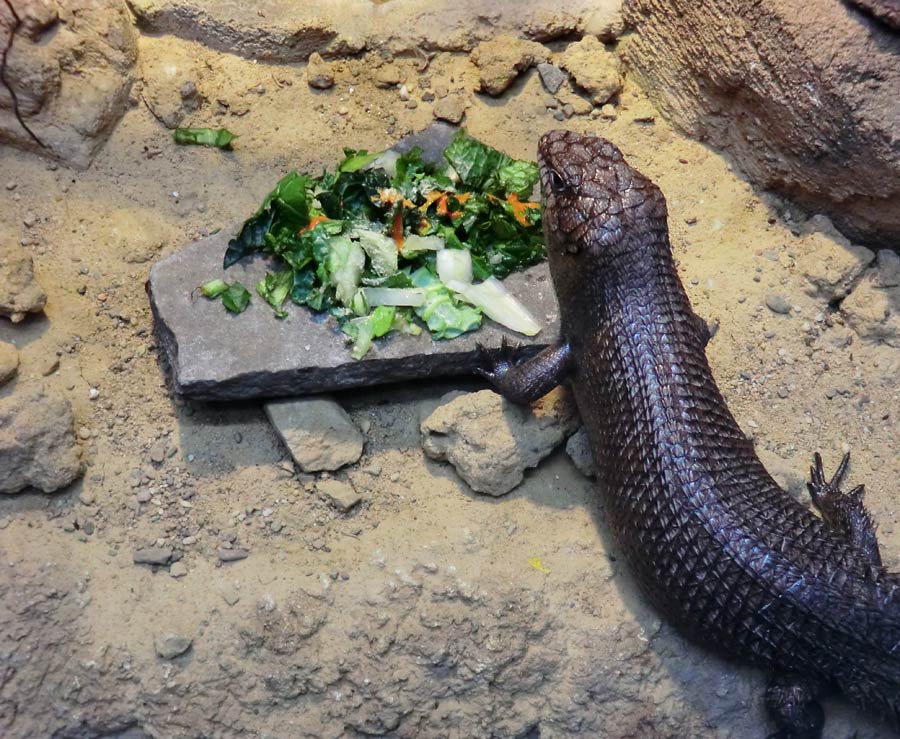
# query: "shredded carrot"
313,222
429,199
397,227
519,208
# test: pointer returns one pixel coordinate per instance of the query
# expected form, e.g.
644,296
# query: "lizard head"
596,206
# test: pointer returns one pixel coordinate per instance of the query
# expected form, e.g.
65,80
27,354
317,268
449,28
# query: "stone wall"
804,96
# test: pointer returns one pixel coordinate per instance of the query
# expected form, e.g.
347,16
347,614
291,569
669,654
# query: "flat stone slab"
215,355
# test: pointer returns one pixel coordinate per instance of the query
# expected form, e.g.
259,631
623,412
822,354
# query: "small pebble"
178,569
232,555
777,304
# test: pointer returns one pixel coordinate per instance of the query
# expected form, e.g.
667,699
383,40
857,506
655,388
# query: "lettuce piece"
285,209
410,296
445,317
382,251
213,288
414,244
366,328
344,267
498,303
274,289
221,138
517,177
355,160
236,298
454,264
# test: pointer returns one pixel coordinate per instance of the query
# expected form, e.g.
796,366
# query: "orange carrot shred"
519,208
313,222
397,227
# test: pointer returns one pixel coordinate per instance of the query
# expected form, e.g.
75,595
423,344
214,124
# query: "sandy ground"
417,614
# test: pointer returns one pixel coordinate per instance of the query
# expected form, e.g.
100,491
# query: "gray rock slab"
215,355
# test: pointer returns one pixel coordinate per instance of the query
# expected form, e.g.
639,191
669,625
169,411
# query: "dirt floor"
417,614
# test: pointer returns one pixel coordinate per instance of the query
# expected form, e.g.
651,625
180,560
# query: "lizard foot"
493,364
844,511
793,704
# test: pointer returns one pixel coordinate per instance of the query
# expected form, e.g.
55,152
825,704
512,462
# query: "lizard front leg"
528,380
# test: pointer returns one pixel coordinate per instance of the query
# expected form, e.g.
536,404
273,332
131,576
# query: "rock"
595,69
216,356
502,59
37,442
170,646
578,447
317,432
233,555
777,303
873,308
20,292
888,11
776,84
72,74
828,261
604,20
451,108
388,75
158,452
152,556
178,569
491,442
552,77
9,362
340,494
318,72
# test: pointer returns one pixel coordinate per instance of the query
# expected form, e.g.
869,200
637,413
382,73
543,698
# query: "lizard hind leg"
792,702
844,512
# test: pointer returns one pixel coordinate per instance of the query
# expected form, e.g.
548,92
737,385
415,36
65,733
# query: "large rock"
218,356
804,96
317,431
491,442
288,31
69,66
37,443
20,292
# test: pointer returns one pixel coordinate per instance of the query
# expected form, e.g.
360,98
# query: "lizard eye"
557,184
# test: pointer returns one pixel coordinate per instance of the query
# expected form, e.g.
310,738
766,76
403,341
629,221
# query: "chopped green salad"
390,242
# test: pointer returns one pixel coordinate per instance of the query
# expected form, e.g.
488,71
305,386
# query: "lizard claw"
494,363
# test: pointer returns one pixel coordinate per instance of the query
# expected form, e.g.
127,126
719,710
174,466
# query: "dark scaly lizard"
717,546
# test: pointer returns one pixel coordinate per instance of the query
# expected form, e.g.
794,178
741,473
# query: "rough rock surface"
873,308
503,58
596,70
317,431
828,261
170,646
20,292
37,443
218,356
778,85
285,31
9,362
491,442
578,447
70,67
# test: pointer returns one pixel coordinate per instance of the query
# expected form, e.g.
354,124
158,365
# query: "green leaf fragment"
366,328
274,289
356,160
213,288
218,137
236,298
445,317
